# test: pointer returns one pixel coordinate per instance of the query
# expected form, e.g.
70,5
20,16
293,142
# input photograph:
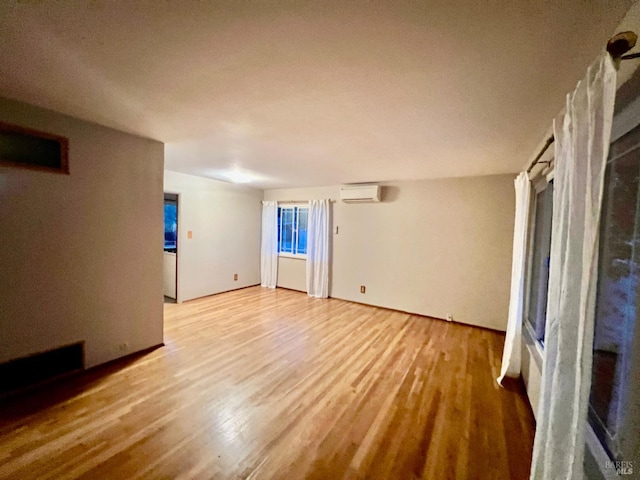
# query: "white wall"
169,276
432,247
225,220
292,273
81,254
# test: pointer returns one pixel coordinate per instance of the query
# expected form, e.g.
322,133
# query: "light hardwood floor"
264,384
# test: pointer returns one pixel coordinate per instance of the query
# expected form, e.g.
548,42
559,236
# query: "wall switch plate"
363,289
189,234
235,276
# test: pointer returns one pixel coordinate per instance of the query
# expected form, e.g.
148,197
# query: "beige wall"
292,273
81,254
225,220
433,247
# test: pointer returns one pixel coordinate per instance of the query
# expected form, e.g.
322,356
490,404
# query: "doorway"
170,276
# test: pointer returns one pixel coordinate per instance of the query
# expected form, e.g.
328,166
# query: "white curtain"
269,245
581,148
318,249
512,344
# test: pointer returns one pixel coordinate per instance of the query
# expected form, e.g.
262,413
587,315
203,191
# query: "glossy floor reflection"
266,384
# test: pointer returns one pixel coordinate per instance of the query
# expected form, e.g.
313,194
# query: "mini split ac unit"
360,193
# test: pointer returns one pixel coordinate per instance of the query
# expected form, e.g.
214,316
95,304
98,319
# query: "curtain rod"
617,46
544,148
631,56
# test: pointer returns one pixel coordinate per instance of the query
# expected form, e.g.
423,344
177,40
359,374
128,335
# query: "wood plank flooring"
264,384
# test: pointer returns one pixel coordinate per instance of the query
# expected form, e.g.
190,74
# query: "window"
292,231
539,263
615,359
170,225
27,148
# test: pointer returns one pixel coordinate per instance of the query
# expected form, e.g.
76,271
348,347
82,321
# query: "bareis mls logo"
621,468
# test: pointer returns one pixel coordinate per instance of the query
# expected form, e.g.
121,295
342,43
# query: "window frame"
36,137
174,203
623,124
597,459
539,183
295,229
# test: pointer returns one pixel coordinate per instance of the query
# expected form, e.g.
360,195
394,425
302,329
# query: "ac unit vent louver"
360,193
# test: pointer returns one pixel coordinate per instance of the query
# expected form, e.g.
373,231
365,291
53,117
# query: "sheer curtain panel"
318,249
269,245
512,344
581,148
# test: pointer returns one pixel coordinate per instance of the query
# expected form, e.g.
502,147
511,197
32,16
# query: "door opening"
170,247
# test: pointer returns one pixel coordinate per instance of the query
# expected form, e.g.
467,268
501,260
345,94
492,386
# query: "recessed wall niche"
22,147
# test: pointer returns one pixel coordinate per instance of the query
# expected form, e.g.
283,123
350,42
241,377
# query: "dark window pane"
170,225
302,230
539,279
286,243
29,148
279,226
294,239
617,294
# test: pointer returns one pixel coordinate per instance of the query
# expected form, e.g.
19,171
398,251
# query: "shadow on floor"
45,395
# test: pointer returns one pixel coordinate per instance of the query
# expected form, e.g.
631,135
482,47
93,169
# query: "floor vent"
40,367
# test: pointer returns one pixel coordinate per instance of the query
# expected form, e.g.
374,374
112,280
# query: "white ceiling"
311,93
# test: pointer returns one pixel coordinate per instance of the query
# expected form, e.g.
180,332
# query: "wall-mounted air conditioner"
360,193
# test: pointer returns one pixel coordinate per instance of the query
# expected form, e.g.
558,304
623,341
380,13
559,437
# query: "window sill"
599,461
533,345
291,255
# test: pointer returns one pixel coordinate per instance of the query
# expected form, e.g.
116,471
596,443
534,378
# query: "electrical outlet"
123,347
363,289
235,276
449,317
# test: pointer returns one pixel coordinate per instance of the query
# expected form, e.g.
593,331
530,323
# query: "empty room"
319,240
